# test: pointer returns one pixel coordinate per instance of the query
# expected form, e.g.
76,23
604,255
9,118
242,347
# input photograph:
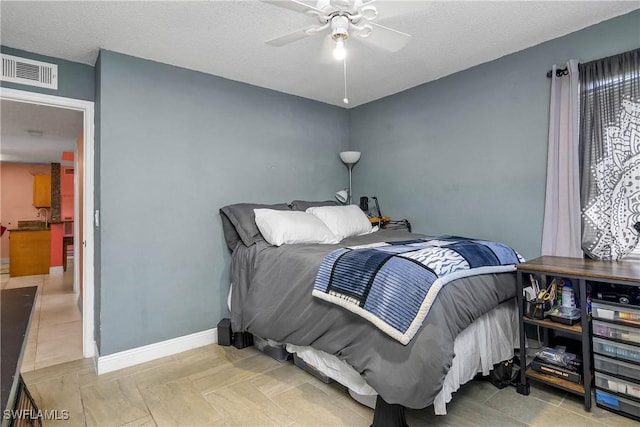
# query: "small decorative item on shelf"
380,221
536,308
568,295
563,314
559,363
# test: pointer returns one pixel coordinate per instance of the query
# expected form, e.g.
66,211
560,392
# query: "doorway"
82,266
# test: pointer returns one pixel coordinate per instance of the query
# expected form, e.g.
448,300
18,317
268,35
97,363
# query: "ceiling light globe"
339,53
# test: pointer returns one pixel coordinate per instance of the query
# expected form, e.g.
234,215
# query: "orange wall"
16,196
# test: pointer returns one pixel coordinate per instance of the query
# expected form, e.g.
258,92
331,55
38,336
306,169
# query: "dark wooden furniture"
15,317
66,241
583,273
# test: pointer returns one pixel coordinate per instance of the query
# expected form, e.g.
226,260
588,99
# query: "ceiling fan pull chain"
344,68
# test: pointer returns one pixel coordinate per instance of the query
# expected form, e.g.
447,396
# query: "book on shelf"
556,371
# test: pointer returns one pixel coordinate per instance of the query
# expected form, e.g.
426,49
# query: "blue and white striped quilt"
394,284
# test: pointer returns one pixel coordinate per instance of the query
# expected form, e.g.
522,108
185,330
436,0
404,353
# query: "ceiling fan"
344,18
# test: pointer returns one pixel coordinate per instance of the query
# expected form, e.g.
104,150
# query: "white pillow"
343,221
280,227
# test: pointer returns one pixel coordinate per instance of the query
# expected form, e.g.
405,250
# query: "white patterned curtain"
610,145
561,226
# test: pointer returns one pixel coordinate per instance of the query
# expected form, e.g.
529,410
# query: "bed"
470,326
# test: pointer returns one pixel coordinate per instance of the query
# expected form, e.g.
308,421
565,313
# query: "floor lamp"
350,158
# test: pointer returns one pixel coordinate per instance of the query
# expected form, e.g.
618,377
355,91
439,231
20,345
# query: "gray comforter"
272,298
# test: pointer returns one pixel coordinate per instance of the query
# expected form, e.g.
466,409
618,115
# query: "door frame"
88,180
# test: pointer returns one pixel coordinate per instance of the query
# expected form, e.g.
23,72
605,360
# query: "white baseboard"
124,359
56,270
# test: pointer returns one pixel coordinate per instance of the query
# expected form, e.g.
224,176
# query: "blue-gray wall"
175,146
466,154
75,80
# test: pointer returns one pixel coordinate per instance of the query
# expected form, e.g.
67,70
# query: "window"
609,97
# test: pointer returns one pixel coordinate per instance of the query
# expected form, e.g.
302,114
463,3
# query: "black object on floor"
224,332
388,415
226,336
242,339
503,374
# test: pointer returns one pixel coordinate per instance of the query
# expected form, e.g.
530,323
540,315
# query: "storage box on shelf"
619,313
615,367
615,349
616,344
617,385
617,404
616,330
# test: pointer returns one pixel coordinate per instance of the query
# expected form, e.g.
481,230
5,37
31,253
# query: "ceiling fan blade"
386,38
290,38
294,5
342,4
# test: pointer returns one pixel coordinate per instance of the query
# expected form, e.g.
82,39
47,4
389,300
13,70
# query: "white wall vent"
29,72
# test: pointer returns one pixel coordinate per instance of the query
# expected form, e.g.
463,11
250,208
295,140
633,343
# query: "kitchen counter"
31,225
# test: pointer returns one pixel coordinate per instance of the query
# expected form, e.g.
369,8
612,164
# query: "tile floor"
224,386
216,385
55,335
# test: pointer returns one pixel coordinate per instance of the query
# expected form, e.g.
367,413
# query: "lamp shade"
350,157
342,196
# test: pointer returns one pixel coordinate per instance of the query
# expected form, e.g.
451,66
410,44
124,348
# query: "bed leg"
388,415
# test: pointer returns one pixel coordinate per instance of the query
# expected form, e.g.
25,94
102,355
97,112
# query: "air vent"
68,171
29,72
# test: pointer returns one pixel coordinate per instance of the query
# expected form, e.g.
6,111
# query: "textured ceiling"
226,38
37,134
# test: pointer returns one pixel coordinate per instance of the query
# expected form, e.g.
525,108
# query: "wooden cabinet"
42,191
30,252
586,275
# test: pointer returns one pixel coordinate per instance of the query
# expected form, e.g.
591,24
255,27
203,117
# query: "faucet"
46,221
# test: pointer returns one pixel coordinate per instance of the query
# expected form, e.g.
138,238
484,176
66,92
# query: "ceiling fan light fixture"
339,53
345,18
340,27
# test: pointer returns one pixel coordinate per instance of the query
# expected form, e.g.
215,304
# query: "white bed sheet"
488,340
